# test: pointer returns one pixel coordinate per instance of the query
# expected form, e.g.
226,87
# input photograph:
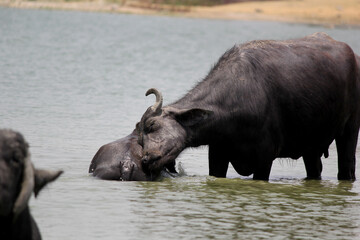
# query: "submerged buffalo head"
18,177
165,131
121,160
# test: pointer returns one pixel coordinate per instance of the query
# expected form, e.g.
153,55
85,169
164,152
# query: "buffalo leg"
346,148
262,170
218,161
263,160
313,165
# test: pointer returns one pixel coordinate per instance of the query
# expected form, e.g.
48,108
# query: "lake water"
73,81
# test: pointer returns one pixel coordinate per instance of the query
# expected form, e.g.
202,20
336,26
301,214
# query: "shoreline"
329,13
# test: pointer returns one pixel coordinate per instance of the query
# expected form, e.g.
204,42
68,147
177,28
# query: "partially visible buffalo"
264,100
121,160
18,179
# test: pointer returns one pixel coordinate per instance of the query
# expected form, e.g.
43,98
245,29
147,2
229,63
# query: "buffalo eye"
150,126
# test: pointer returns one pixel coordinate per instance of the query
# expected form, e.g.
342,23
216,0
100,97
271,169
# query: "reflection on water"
71,82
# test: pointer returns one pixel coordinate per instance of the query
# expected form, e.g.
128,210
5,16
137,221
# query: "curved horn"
27,187
159,99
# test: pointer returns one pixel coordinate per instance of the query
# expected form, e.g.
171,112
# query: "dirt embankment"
326,12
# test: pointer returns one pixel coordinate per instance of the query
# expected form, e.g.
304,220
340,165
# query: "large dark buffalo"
18,179
121,160
264,100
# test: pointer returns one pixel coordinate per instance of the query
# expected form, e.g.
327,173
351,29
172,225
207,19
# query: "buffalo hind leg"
264,159
346,148
313,165
262,170
218,161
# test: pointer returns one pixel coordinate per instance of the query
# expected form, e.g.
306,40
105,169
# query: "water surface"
73,81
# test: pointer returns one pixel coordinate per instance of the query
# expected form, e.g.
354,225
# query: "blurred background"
325,12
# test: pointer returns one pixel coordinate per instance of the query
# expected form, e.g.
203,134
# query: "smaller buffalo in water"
121,160
18,180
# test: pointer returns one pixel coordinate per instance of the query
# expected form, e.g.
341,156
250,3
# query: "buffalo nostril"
145,160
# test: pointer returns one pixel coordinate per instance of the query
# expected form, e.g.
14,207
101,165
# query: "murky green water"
71,82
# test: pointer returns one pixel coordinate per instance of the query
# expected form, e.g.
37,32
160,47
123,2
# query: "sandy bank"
329,12
326,12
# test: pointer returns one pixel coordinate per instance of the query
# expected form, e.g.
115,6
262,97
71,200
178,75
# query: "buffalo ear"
192,117
43,177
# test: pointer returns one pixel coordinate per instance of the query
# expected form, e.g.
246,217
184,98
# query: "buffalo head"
165,131
18,177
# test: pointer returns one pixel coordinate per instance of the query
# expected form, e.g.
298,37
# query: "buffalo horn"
159,99
27,187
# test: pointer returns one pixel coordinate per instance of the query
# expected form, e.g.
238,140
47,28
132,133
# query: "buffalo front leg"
313,165
218,161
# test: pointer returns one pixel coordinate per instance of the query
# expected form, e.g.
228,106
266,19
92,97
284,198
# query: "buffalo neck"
212,95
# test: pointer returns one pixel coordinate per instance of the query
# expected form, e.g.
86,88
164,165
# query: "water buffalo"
18,179
264,100
121,160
